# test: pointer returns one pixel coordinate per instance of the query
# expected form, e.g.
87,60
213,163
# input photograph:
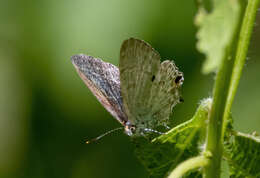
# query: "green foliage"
216,31
225,22
165,152
242,151
224,39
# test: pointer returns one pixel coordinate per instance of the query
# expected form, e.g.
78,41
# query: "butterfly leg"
153,131
166,126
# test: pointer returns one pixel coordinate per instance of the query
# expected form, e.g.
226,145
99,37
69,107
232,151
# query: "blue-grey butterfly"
141,93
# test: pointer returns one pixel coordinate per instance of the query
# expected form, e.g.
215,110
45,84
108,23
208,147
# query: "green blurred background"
46,111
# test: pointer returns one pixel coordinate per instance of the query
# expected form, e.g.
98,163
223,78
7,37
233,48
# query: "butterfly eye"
132,128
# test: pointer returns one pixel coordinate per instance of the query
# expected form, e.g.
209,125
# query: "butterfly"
141,93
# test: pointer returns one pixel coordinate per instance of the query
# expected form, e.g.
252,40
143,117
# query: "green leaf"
216,31
165,152
242,151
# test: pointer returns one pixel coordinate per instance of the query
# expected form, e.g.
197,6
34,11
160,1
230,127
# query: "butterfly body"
141,93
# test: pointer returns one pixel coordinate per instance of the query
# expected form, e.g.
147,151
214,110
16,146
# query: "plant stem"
188,165
243,44
225,89
214,135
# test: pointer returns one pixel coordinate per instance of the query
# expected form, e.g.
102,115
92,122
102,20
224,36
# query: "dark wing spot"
181,100
178,79
153,78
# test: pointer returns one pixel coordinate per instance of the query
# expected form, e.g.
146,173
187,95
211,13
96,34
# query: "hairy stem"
214,134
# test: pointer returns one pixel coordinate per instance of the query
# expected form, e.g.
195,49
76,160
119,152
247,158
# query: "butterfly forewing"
103,80
148,88
138,64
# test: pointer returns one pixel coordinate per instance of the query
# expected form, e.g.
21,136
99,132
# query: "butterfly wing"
148,88
165,91
103,80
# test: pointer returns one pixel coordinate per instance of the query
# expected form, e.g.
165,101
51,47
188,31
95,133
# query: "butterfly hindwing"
165,91
103,80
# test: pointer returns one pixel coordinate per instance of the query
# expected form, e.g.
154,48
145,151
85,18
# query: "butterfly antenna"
101,136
